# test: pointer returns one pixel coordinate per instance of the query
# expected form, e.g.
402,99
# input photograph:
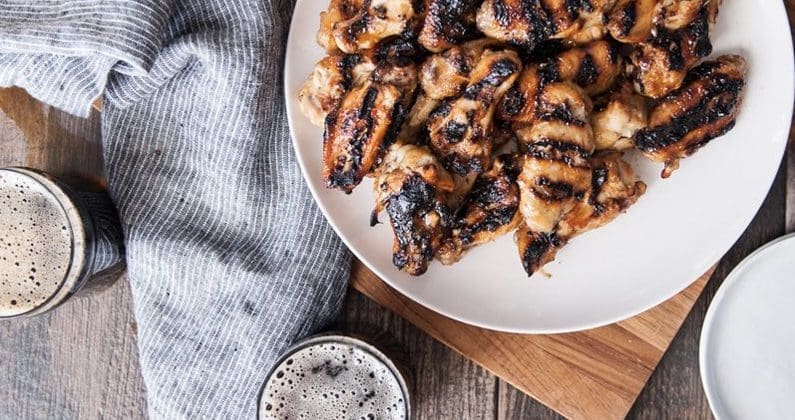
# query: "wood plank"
515,404
596,373
81,360
445,385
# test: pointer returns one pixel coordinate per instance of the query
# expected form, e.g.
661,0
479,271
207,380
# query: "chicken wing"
614,188
704,108
632,21
617,116
374,21
530,22
446,74
331,78
556,148
411,186
337,11
490,210
594,67
358,132
660,64
448,23
460,128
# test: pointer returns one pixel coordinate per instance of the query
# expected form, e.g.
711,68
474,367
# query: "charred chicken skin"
448,23
593,67
460,128
412,187
358,132
489,210
530,22
704,108
375,20
680,39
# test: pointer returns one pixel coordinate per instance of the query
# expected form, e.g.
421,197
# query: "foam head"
334,380
36,243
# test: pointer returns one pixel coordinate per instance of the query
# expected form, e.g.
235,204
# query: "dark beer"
56,239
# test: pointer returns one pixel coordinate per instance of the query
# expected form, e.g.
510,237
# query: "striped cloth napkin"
229,259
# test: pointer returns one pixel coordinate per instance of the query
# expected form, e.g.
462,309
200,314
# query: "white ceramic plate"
680,228
747,354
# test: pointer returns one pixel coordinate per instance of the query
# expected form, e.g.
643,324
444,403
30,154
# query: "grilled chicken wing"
704,108
448,23
338,73
594,67
530,22
373,21
446,74
617,116
614,188
412,186
556,173
660,64
490,210
632,21
358,132
460,128
331,78
556,149
337,11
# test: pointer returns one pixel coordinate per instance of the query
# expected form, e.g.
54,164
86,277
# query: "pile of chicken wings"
478,118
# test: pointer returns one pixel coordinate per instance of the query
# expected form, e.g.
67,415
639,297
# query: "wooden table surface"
81,360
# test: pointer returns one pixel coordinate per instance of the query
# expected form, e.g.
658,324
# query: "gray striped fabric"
229,259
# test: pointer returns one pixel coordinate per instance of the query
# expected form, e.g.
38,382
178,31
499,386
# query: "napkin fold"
229,259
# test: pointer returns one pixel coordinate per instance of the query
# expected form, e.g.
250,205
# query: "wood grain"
80,361
595,373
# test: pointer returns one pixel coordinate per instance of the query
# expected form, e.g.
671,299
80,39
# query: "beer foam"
36,243
333,380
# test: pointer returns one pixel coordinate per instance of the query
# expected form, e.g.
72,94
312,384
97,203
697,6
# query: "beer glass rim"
333,337
79,263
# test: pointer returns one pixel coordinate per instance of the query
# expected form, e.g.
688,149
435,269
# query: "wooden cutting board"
592,374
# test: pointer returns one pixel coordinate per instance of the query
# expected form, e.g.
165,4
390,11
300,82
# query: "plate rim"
574,327
709,319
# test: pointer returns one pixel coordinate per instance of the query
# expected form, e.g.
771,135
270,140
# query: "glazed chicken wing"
490,210
448,23
358,132
593,67
632,21
556,148
373,21
338,73
617,116
614,188
460,128
530,22
337,11
704,108
660,64
331,78
446,74
412,186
